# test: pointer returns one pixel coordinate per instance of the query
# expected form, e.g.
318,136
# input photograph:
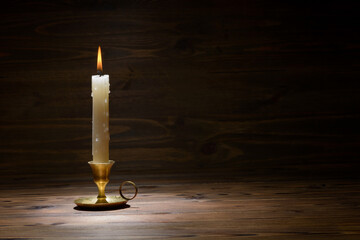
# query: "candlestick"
101,164
101,172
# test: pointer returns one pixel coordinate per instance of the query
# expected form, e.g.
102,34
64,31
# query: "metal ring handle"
133,184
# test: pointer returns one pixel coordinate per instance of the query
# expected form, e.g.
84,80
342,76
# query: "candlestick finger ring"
133,184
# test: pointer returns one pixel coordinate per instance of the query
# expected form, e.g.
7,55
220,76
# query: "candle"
100,87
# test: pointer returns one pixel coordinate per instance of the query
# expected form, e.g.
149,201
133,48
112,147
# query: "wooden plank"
260,210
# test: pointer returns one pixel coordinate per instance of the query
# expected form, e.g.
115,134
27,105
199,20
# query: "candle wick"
99,73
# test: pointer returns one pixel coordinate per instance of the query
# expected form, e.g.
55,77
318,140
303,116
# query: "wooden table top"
177,208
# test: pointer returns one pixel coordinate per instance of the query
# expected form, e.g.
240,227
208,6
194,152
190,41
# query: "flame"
99,61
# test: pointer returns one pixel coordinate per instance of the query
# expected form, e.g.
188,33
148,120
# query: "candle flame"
99,61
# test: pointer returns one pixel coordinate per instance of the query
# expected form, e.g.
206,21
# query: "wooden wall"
230,89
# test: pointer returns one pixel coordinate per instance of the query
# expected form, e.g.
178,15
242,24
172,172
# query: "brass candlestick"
101,172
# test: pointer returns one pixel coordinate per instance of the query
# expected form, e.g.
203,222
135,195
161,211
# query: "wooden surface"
168,209
238,119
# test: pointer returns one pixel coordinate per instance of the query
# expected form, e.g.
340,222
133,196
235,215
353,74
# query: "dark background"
237,119
222,88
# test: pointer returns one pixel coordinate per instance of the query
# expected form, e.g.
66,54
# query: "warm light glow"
99,61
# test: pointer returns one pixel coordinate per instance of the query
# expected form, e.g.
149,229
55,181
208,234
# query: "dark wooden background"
201,91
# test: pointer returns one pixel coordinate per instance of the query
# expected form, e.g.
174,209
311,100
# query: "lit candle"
100,87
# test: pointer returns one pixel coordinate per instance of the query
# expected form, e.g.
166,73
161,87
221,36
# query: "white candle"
100,87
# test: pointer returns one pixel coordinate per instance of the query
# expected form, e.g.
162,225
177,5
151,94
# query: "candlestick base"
101,172
112,202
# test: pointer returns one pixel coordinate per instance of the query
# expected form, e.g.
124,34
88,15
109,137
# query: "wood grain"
257,99
181,210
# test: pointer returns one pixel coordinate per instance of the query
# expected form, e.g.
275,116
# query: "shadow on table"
102,209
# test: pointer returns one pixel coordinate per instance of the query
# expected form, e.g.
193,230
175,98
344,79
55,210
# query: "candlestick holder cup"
101,172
